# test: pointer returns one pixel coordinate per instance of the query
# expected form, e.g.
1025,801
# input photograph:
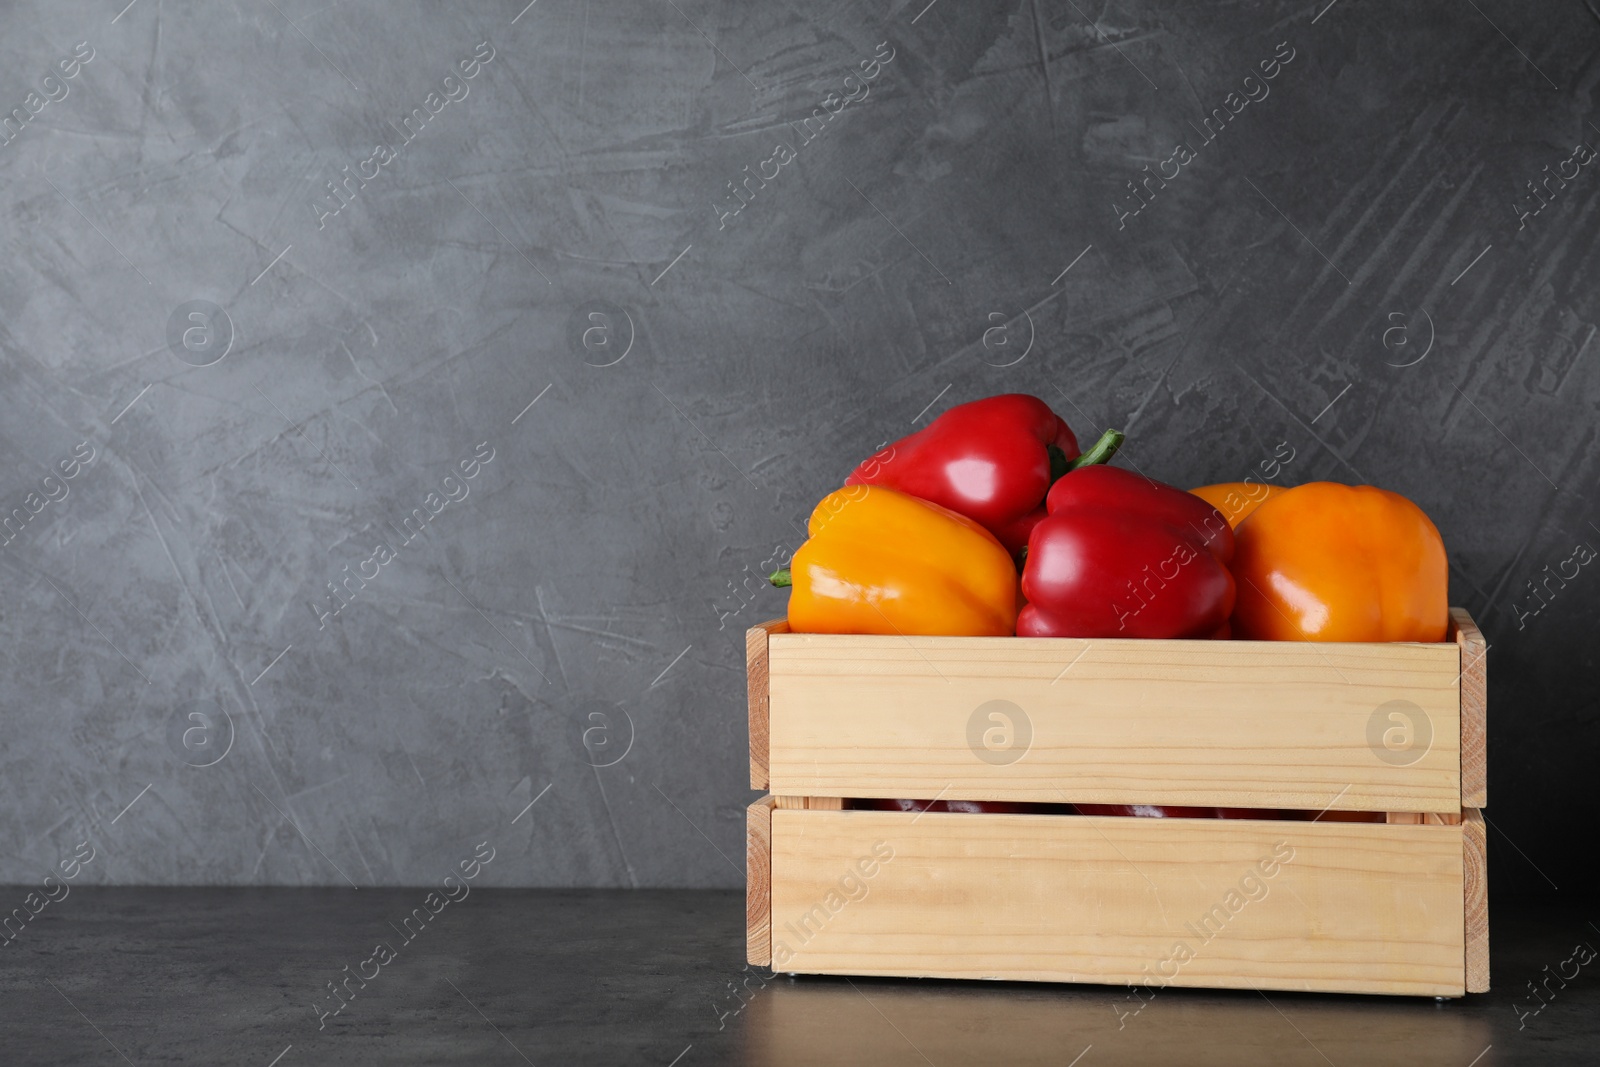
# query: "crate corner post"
756,678
1475,903
1474,682
758,883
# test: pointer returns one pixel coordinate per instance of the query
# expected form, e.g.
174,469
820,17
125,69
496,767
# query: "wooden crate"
1398,906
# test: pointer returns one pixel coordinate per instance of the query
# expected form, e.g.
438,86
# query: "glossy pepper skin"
1330,562
1121,555
1147,811
1169,811
991,460
880,562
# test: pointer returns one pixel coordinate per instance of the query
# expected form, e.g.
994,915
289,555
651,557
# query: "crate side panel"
1342,907
1235,723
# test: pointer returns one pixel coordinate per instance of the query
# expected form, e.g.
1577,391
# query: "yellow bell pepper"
1236,500
880,562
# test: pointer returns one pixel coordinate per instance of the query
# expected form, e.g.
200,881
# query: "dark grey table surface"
239,976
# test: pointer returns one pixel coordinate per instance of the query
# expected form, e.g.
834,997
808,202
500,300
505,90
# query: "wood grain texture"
1419,818
810,803
1235,723
1474,709
758,882
1353,907
1475,878
755,657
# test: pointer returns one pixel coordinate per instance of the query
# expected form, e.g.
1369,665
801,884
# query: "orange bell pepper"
1330,562
1236,500
881,562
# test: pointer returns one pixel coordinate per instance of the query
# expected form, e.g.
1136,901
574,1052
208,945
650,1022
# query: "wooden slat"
1475,861
1474,709
1357,907
758,882
1233,723
755,655
810,803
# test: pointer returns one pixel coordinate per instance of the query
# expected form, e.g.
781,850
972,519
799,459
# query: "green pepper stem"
1059,463
781,578
1101,451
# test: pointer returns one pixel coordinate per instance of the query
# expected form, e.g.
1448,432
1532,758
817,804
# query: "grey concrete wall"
264,378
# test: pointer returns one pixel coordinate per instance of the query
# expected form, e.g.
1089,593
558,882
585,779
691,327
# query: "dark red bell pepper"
1169,811
991,460
1120,555
1147,811
978,807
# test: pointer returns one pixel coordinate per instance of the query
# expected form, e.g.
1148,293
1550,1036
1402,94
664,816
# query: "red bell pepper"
1147,811
976,807
1120,555
991,460
1169,811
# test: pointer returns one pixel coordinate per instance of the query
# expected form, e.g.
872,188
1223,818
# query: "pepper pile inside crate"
1102,551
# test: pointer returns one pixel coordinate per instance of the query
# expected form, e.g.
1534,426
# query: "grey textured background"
1341,270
